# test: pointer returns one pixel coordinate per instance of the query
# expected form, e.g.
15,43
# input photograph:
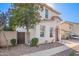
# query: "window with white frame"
51,32
42,31
46,13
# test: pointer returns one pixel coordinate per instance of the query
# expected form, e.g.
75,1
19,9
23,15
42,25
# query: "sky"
4,6
69,11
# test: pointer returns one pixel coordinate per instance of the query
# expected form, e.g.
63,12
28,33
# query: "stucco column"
54,36
59,34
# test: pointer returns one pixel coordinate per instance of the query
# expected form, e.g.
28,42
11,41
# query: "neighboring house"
69,28
66,29
47,31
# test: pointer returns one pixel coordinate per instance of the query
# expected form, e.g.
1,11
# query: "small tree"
25,15
8,15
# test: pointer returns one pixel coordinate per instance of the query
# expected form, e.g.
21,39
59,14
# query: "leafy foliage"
34,42
72,53
13,42
2,19
24,14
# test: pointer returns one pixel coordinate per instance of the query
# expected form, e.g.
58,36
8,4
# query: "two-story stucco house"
66,29
47,31
69,28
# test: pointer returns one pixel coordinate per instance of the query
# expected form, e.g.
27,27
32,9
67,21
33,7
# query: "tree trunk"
28,38
28,35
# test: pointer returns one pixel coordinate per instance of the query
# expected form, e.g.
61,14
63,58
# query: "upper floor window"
51,32
46,13
42,31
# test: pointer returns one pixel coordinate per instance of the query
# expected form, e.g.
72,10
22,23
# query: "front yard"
24,49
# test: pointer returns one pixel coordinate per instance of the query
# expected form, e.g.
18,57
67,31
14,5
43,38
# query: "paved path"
49,51
67,45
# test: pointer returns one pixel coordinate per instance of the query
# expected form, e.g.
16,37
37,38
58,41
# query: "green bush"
34,42
67,38
72,53
13,42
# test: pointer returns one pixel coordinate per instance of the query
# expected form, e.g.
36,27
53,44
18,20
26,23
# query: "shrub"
67,38
34,42
72,53
13,42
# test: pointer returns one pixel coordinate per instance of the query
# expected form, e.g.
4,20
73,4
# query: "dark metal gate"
20,37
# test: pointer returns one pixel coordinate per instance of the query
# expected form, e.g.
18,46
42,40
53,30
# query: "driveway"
73,45
74,41
76,48
70,42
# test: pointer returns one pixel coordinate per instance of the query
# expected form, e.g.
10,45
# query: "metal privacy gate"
20,37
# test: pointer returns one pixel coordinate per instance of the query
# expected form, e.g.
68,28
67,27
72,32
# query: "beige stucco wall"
50,13
49,23
13,35
32,35
47,37
9,35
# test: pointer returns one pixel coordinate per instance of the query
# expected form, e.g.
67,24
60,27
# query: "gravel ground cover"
24,49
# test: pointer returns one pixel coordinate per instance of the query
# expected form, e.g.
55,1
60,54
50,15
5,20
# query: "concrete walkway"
49,52
67,45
